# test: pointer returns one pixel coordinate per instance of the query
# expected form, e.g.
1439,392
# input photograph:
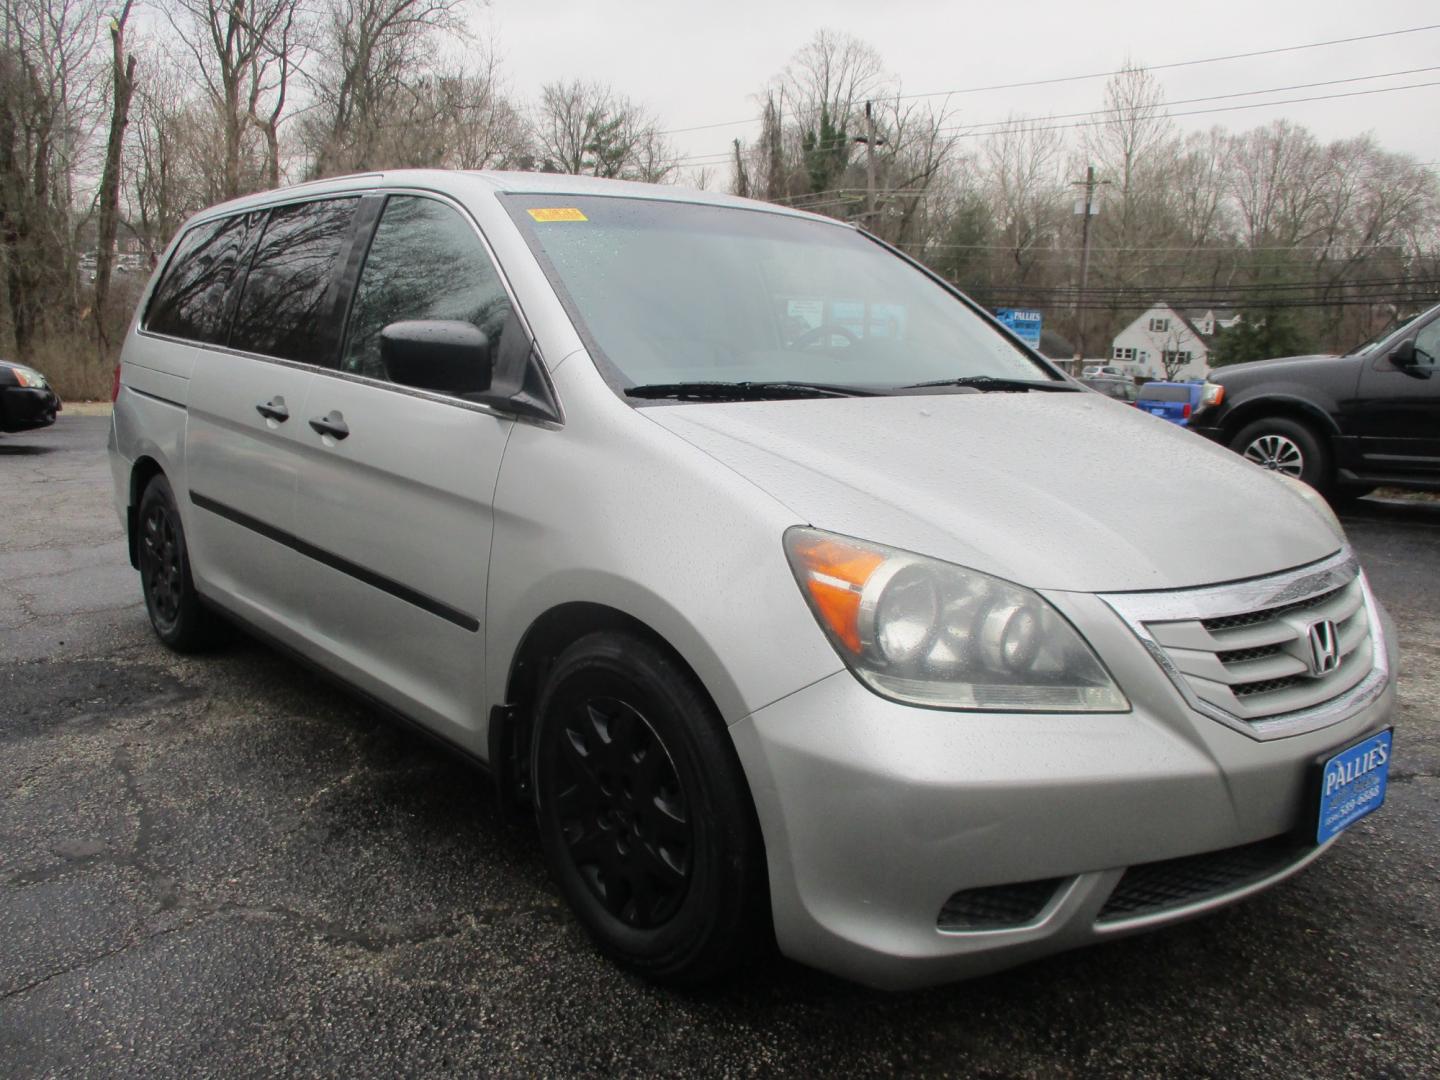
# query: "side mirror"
1403,355
444,356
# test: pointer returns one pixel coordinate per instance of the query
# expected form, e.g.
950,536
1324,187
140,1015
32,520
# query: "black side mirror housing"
1403,355
445,356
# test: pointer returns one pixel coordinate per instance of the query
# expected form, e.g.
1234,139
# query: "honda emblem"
1324,647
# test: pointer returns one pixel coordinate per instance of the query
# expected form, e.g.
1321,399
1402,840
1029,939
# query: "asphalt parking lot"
222,866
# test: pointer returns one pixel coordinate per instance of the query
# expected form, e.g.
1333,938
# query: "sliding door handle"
332,424
274,409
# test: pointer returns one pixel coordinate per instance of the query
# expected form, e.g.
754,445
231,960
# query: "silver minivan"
788,592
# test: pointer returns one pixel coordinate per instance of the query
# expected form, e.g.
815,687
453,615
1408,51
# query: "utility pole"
742,178
1087,209
870,163
871,140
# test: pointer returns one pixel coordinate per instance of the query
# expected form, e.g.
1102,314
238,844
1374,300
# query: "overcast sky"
696,64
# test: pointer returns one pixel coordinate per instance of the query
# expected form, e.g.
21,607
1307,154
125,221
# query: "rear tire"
644,814
1286,446
178,617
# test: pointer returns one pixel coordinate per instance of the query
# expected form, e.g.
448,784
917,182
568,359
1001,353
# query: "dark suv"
1343,424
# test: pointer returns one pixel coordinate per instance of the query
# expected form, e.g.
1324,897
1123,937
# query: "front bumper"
1208,427
876,814
23,408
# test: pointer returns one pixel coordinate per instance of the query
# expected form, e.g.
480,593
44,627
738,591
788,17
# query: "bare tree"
915,141
49,89
1278,179
243,49
587,127
122,88
374,59
1021,164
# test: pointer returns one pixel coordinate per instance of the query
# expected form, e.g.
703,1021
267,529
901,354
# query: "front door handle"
332,424
274,409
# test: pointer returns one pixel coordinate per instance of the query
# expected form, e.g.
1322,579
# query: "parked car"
27,400
1343,424
754,561
1173,401
1090,371
1119,387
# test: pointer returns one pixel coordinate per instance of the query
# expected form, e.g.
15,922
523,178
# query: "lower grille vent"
997,907
1148,888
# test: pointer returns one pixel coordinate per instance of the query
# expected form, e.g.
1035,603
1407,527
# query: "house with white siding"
1167,338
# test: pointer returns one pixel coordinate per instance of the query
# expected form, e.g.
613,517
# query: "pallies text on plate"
1351,770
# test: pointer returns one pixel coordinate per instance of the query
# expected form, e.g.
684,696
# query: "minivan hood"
1054,491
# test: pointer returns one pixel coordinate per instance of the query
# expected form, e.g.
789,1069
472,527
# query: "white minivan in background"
789,592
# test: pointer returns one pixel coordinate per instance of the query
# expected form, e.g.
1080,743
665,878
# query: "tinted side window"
1427,346
284,310
190,301
425,262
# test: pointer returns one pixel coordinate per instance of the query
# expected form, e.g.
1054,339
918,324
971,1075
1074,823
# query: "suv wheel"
180,620
644,814
1285,446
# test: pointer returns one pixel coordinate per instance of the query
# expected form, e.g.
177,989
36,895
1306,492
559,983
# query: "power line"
1163,109
1175,64
1034,126
1190,248
1104,74
1250,287
1008,299
1227,108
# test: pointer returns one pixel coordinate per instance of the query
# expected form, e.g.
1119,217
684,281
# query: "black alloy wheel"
1288,447
622,812
177,615
160,568
644,813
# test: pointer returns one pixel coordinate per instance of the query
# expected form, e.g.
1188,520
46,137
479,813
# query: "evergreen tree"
1260,335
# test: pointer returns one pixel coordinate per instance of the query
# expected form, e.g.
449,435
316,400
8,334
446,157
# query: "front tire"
644,813
178,617
1286,446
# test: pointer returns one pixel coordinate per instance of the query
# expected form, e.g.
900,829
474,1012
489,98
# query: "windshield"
677,293
1395,327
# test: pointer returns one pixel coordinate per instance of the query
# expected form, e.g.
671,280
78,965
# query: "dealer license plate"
1352,784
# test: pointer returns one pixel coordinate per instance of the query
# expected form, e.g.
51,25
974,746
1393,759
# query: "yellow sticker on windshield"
558,213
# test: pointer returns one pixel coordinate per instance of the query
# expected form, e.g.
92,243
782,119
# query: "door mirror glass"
445,356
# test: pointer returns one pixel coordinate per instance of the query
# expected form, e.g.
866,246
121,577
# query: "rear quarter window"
191,300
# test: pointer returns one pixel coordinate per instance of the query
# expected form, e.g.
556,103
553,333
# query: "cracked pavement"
220,865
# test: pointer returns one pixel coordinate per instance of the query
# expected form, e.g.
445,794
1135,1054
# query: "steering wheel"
816,336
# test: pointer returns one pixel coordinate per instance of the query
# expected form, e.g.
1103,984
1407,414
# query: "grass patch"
72,363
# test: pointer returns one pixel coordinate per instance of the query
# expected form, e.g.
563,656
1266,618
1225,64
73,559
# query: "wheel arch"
549,635
1289,407
144,469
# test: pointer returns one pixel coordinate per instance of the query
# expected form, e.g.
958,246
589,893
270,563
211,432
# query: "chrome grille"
1250,618
1242,653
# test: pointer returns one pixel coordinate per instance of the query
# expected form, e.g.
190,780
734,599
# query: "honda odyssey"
786,591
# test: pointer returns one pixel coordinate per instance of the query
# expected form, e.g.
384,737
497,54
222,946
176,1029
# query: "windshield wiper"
745,391
985,383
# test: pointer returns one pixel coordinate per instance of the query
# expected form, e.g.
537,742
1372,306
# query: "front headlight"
1211,394
25,376
926,632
